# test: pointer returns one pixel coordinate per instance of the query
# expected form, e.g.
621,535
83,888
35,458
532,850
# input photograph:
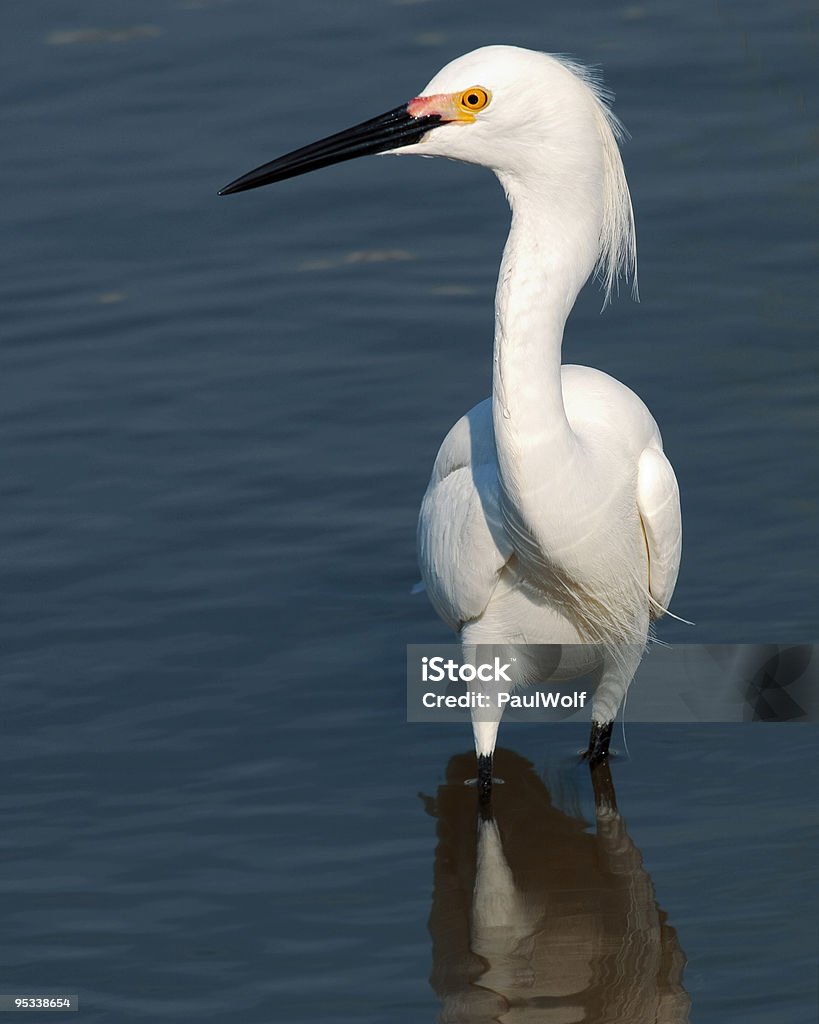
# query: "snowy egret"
552,515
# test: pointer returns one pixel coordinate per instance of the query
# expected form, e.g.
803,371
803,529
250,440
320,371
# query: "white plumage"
552,516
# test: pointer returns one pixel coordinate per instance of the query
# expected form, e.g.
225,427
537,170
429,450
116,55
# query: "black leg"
484,777
599,743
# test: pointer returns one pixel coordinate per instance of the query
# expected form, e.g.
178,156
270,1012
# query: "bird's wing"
658,501
462,545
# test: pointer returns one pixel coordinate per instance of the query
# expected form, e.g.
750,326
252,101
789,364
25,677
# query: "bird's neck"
549,255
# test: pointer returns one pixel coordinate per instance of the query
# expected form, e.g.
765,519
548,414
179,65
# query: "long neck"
549,254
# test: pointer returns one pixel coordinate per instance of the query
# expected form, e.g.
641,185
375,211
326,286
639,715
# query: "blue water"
218,417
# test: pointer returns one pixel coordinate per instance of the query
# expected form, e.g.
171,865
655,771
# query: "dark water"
218,417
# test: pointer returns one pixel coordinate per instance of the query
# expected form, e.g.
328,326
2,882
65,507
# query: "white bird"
552,515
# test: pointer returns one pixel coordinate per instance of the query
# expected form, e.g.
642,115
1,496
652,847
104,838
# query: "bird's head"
515,111
500,106
541,123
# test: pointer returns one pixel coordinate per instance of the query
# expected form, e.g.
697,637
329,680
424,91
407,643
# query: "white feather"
552,515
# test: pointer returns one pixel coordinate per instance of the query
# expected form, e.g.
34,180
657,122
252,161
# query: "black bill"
388,131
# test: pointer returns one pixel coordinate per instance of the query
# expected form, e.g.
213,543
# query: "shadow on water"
534,917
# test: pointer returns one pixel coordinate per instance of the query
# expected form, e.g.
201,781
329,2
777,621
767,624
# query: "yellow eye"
474,99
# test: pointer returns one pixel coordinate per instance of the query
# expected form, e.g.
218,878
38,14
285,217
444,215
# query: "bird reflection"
536,919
